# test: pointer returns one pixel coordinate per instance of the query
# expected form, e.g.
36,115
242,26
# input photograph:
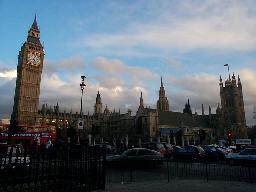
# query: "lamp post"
82,85
81,121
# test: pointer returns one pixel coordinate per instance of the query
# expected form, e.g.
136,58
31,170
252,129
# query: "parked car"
110,150
170,149
244,157
159,147
136,157
213,153
189,153
225,150
13,158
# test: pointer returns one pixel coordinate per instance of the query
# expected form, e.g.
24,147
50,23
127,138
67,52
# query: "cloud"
173,63
214,25
67,93
200,88
203,88
109,82
70,65
117,67
8,73
7,87
248,79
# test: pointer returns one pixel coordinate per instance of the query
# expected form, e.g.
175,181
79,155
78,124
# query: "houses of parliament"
147,124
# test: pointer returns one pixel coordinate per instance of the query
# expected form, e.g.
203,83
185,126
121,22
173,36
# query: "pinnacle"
34,25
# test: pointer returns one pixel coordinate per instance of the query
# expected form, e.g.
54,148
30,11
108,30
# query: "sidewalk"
182,186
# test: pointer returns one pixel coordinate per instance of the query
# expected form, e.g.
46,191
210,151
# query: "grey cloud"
219,25
72,64
173,63
204,89
117,67
109,82
6,98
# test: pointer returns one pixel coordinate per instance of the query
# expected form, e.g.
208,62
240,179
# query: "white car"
245,156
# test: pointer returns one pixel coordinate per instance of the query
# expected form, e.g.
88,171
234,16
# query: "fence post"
206,169
131,174
168,173
250,174
104,167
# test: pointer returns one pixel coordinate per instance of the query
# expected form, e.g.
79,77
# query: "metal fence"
167,170
69,168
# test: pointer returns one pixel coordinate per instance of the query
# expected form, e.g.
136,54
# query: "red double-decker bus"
30,134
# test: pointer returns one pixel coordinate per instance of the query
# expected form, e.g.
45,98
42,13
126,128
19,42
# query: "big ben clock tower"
29,70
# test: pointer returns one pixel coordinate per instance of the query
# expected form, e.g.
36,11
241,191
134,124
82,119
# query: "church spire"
162,103
34,25
34,33
98,104
187,108
141,100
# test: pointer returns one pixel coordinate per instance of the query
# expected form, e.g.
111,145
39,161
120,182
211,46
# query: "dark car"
136,157
170,149
189,153
213,153
110,150
159,147
244,157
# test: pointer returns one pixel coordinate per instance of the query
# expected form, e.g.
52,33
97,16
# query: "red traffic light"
229,134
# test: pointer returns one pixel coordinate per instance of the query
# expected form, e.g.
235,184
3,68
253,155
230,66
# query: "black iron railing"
166,170
72,168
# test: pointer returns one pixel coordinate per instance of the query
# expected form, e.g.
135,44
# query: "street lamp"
81,121
82,85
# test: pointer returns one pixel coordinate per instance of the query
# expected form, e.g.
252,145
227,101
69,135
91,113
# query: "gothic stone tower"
233,115
98,105
162,103
29,70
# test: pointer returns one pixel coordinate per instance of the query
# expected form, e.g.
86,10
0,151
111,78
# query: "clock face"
33,59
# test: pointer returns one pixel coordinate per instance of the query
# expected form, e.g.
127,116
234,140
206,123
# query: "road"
181,170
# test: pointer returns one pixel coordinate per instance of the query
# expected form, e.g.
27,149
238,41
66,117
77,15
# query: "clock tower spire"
29,70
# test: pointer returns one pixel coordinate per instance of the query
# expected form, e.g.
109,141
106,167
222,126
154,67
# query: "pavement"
177,185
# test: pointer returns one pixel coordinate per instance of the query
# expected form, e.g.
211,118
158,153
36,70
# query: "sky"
124,47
